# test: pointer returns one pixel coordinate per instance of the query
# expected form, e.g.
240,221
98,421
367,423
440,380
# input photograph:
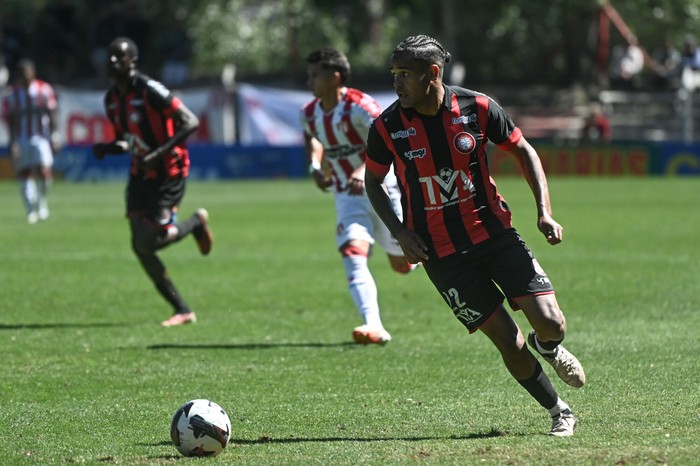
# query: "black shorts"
475,283
156,199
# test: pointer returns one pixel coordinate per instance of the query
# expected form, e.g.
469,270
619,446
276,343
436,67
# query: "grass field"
89,377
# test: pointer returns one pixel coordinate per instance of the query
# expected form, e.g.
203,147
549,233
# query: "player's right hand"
413,246
322,180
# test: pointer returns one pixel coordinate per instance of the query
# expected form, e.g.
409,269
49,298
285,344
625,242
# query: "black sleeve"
376,147
500,124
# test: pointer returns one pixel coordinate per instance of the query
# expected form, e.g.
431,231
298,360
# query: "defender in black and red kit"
457,224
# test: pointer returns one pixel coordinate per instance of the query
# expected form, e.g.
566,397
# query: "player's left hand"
550,229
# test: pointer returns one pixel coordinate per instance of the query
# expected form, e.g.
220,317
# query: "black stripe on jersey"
439,143
393,125
477,167
145,124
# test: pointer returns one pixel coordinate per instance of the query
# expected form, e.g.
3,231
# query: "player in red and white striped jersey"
30,111
335,126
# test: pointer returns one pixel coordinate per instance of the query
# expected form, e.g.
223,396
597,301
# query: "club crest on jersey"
465,143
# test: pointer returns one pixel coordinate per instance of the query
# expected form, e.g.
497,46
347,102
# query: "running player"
459,226
152,124
30,110
335,126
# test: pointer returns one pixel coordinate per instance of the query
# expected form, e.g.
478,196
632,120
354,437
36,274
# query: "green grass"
89,377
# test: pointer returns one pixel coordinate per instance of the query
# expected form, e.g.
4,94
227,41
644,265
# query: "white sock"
363,289
29,193
558,408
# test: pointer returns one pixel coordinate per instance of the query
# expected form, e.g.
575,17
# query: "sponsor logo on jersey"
404,134
446,188
341,152
465,143
415,154
464,119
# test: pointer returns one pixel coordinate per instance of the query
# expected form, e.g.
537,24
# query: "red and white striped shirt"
27,110
342,131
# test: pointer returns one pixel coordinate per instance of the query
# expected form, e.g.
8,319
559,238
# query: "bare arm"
314,152
531,165
53,126
186,123
413,247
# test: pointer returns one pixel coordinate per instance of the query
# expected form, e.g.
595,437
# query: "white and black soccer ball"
200,428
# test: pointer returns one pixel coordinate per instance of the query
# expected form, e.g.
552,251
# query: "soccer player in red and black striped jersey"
458,225
335,126
152,125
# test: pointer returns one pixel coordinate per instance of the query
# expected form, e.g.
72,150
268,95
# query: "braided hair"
425,49
331,59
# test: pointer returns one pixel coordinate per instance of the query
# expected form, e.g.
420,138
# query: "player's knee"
554,329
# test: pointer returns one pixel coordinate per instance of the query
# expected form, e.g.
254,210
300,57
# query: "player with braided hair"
457,224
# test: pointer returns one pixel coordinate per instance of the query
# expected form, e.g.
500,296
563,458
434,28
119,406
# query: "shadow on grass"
250,346
263,440
63,325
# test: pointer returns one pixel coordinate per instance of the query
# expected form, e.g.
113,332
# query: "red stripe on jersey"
468,209
425,166
494,198
309,113
328,127
377,168
512,140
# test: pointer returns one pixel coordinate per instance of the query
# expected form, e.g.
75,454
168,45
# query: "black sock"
156,272
540,388
167,289
548,345
185,227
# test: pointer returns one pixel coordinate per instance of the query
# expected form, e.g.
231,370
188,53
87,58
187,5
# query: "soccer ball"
200,428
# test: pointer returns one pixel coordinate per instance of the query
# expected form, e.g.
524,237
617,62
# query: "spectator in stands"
666,64
691,53
596,126
690,63
627,65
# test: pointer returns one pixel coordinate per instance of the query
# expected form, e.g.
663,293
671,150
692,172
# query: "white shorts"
356,219
34,152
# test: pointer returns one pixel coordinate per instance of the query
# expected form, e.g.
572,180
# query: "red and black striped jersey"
144,119
448,195
27,110
342,131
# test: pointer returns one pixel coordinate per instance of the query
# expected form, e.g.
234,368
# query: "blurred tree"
508,41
